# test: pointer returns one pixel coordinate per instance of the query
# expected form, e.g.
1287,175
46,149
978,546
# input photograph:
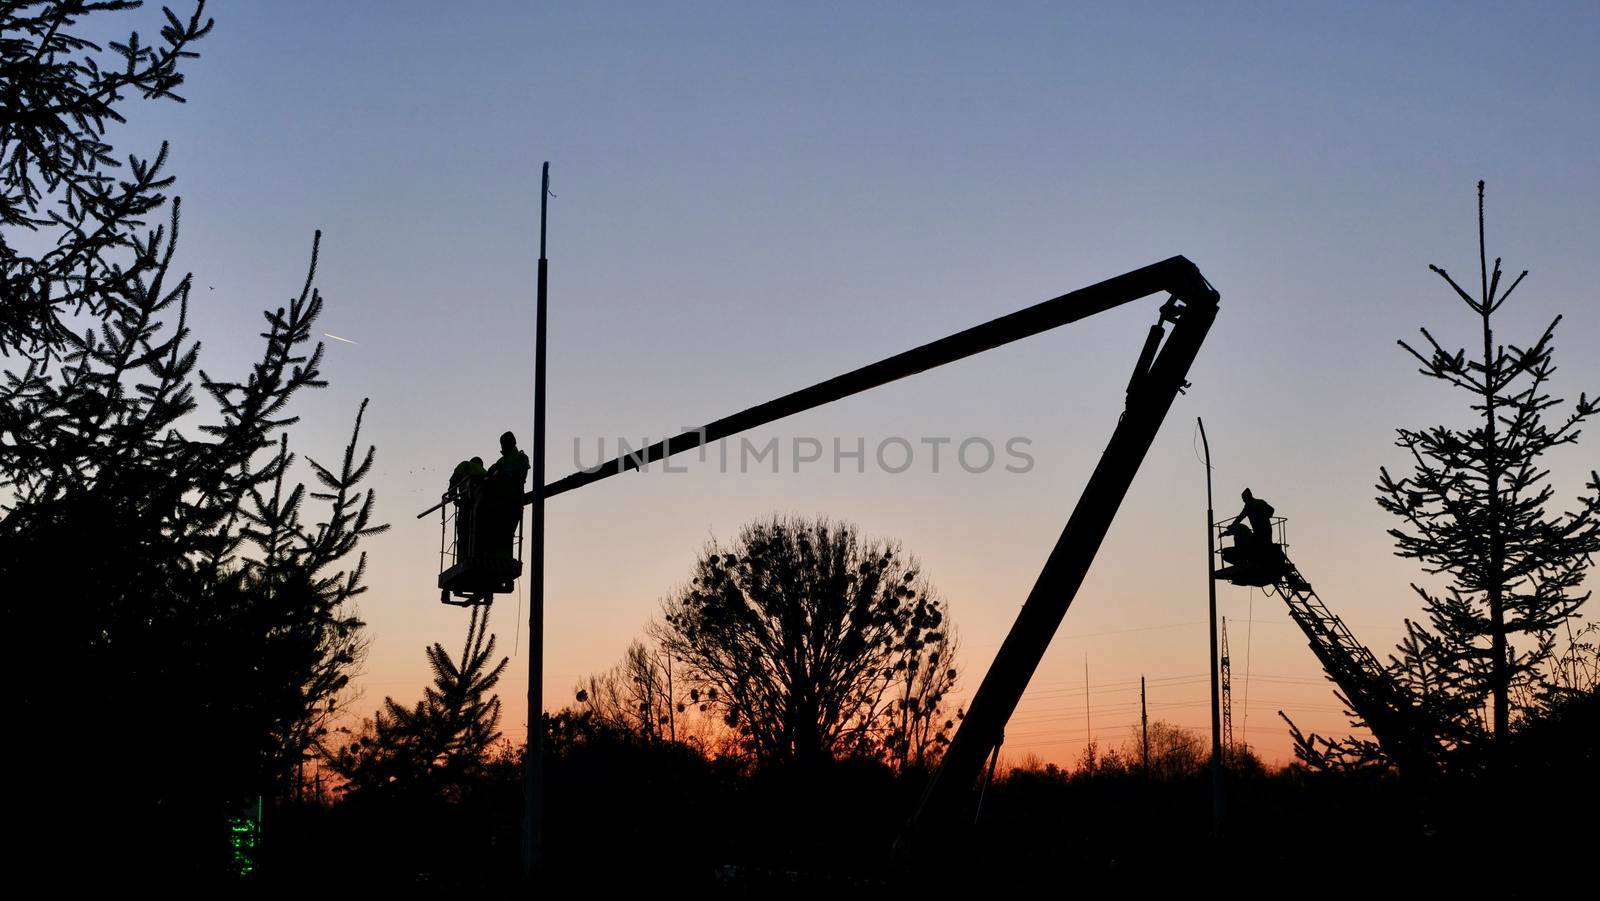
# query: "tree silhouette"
189,599
58,95
919,726
637,695
649,697
806,638
441,744
324,645
1474,511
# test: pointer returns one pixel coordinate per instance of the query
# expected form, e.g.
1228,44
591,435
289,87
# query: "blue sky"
751,198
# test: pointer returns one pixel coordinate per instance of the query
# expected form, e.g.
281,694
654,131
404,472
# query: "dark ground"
626,816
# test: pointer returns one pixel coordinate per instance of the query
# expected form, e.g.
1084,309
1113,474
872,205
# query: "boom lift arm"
1175,275
1157,379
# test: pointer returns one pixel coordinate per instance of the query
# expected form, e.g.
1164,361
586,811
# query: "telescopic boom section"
1156,382
1176,275
1158,377
1406,726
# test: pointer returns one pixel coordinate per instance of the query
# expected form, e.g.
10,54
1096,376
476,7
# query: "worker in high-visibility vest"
465,481
501,497
466,472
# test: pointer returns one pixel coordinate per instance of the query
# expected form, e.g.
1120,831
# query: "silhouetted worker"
1259,513
1243,548
465,481
1254,558
501,498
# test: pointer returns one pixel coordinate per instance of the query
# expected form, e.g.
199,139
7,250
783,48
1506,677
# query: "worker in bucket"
1240,553
1259,513
465,480
500,500
1254,558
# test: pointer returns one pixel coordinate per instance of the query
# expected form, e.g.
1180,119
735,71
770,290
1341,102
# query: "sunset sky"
750,199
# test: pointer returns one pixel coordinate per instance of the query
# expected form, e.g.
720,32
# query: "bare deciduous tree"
808,638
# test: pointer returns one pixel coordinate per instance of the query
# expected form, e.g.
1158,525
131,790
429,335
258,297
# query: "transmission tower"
1227,695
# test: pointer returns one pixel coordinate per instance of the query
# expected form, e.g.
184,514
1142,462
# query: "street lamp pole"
1218,804
533,775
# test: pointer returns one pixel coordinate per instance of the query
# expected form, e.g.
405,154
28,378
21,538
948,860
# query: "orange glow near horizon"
1127,621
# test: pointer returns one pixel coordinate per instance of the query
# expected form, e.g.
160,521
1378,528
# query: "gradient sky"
752,198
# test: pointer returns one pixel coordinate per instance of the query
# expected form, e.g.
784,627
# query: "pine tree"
58,96
183,632
439,746
1474,512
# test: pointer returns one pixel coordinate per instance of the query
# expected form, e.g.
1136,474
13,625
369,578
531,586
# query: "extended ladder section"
1402,725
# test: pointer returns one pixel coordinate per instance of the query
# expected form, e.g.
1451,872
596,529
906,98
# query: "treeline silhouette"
650,781
629,809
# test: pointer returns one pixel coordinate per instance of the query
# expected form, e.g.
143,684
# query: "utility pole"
1217,800
1144,727
1088,727
533,773
1227,694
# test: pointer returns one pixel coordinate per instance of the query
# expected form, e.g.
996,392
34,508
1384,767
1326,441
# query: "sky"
751,198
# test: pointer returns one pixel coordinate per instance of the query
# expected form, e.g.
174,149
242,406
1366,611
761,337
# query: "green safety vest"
464,470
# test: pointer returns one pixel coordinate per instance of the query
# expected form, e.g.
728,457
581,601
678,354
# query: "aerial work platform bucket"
474,563
1257,563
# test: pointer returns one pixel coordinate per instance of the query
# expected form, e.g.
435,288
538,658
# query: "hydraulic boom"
1158,377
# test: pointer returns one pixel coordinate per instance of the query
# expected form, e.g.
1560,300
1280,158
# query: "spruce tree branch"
1465,297
1507,295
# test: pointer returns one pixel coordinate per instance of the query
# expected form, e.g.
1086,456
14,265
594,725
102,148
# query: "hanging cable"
1250,629
516,643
